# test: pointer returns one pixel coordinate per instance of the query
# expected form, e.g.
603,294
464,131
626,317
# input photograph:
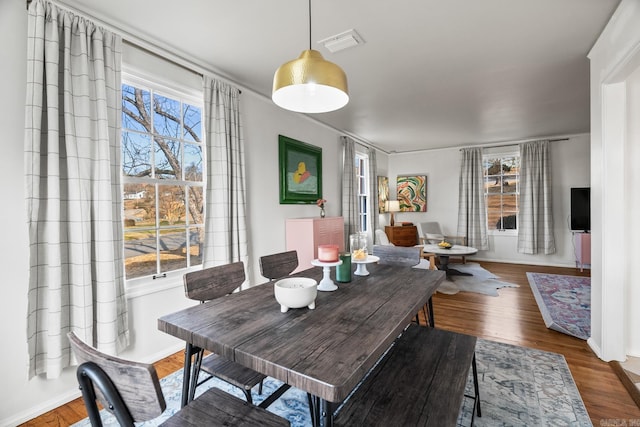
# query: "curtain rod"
512,144
159,52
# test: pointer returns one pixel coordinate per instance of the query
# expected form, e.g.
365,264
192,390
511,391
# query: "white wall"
263,122
569,168
23,399
615,142
631,208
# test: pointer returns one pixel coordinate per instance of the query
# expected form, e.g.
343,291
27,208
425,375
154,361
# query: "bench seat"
420,382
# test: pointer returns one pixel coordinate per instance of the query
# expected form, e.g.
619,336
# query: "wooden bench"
420,382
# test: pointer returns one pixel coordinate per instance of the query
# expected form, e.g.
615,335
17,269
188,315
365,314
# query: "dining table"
326,351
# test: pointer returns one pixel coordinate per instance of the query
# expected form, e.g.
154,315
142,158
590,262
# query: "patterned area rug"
519,386
481,281
564,301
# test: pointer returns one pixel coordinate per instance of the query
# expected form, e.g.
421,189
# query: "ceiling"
430,73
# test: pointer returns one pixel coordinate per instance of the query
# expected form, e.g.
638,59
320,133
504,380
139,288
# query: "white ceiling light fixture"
310,84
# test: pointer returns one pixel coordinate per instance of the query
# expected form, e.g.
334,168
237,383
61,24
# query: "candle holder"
361,269
326,284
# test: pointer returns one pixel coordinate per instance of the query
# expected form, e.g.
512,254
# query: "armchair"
431,233
381,238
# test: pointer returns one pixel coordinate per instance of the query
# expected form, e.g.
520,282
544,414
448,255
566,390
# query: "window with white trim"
163,179
362,176
502,189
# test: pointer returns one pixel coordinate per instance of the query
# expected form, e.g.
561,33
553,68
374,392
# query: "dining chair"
131,392
206,285
278,265
408,256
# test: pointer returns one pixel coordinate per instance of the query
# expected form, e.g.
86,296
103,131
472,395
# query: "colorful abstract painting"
383,193
412,193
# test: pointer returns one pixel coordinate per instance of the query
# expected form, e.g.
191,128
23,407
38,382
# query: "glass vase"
322,213
358,246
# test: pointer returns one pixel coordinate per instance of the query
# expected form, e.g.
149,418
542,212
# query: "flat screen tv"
581,209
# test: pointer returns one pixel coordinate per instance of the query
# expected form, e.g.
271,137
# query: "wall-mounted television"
580,219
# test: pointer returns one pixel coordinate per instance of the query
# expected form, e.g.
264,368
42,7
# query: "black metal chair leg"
432,321
186,377
247,393
195,373
312,410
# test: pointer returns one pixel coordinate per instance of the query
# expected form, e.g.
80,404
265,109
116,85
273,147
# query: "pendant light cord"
309,24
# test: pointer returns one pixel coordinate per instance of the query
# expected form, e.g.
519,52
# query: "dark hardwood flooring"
511,318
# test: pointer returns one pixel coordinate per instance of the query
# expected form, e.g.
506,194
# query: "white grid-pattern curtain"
535,216
225,213
472,214
72,168
349,189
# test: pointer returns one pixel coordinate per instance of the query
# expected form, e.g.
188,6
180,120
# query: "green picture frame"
300,171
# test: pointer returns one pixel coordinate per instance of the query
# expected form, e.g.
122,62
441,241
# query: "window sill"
136,288
503,233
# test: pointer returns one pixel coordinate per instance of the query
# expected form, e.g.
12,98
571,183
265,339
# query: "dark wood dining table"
326,351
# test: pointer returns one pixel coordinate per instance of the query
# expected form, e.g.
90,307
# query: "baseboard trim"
595,347
42,408
67,397
521,262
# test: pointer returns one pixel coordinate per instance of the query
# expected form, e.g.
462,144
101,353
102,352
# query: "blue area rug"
519,386
564,302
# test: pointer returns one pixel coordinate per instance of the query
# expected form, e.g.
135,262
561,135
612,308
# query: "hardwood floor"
514,318
511,318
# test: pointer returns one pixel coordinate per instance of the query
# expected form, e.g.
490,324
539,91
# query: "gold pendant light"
310,84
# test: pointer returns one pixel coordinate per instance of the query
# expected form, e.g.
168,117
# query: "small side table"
326,284
444,254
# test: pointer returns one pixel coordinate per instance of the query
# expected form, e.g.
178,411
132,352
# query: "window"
362,173
163,179
501,190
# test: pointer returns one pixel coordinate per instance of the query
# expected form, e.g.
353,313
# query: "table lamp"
392,206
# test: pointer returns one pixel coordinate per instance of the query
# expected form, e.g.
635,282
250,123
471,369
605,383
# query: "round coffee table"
444,254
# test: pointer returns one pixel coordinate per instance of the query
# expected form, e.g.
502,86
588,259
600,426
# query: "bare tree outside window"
162,167
502,190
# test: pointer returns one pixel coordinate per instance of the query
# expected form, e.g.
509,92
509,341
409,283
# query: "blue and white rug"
519,386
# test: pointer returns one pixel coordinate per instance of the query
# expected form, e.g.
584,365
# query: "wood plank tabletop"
325,351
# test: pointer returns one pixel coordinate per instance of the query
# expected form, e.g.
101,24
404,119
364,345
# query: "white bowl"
296,292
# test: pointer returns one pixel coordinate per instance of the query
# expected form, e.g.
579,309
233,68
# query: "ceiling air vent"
342,41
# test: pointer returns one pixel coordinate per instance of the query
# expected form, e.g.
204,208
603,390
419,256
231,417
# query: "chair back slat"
137,383
214,282
398,255
278,265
